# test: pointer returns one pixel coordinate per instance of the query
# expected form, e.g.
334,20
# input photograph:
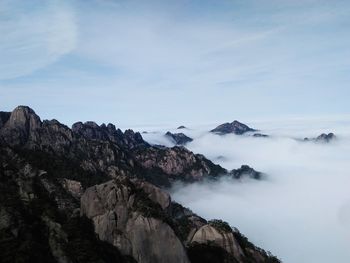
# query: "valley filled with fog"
300,209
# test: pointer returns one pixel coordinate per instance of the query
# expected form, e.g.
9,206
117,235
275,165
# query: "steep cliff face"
131,219
21,126
86,195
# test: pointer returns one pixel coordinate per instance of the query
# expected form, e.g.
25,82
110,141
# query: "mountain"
246,171
322,138
91,194
179,138
235,127
103,149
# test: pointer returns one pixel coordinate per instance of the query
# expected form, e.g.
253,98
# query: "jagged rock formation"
60,187
246,171
235,127
102,149
325,138
179,138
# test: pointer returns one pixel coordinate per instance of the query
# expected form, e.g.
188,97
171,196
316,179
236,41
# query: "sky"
155,62
300,209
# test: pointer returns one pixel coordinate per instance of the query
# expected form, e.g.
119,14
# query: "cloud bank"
301,212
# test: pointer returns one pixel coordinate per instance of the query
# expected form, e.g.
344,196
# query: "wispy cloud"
34,35
289,55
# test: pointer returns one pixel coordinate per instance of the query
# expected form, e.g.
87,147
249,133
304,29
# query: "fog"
301,210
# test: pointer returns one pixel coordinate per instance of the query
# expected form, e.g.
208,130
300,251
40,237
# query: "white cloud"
34,35
301,212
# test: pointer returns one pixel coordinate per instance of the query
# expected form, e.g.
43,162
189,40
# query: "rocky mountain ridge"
61,187
103,149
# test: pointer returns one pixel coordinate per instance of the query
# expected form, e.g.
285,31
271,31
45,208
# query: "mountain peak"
235,127
20,124
179,138
21,114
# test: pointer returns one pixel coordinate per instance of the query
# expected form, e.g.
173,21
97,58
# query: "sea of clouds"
301,210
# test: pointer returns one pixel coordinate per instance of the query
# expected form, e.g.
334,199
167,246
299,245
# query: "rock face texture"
246,171
178,162
21,125
88,194
120,218
235,127
179,138
225,240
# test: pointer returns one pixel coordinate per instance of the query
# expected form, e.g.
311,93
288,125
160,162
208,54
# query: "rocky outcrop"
178,138
323,138
120,217
224,239
234,127
178,163
246,171
22,125
154,193
216,241
181,127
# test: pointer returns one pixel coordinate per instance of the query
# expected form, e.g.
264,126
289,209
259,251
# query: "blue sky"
154,62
